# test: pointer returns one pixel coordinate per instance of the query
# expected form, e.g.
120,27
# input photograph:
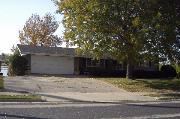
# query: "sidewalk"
89,97
95,97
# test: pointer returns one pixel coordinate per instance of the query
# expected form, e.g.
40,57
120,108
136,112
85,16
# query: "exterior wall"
28,57
147,66
68,65
76,65
52,65
82,65
110,65
79,65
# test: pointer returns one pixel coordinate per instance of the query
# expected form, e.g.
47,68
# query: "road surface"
153,110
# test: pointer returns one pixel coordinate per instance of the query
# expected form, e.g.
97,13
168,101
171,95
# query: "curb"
85,102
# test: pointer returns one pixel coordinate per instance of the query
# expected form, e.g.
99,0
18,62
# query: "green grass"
27,97
145,85
162,89
1,83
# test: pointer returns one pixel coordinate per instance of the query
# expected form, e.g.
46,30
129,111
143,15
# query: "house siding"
80,65
28,57
109,66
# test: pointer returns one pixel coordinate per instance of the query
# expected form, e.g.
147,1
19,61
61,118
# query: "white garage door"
52,65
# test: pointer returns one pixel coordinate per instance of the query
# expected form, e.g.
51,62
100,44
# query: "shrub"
178,75
168,71
10,70
18,65
146,74
1,81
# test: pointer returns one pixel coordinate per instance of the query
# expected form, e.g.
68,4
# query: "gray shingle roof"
42,50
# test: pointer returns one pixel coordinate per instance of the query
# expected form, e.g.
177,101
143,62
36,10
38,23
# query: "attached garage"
48,60
52,64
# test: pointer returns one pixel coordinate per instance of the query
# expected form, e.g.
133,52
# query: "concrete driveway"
71,89
38,84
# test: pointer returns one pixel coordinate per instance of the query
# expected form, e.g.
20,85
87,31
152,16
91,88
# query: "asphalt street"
152,110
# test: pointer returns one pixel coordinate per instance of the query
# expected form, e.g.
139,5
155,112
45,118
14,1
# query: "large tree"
163,29
124,29
39,31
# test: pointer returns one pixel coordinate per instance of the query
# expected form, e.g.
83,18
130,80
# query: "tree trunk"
129,72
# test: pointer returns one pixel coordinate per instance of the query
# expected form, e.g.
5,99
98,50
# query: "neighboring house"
58,60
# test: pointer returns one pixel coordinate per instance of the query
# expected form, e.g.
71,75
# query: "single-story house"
58,60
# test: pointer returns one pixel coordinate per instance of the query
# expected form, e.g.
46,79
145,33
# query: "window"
150,64
119,67
92,63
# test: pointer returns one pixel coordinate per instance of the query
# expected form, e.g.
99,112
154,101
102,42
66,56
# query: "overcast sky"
14,14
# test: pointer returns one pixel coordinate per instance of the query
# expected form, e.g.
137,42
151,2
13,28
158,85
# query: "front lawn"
23,98
145,85
167,89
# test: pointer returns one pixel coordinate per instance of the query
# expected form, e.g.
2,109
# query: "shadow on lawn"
167,84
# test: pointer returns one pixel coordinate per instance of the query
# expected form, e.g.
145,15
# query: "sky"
14,14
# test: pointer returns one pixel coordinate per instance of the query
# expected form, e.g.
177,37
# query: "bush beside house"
178,70
178,75
147,74
17,66
166,71
1,81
